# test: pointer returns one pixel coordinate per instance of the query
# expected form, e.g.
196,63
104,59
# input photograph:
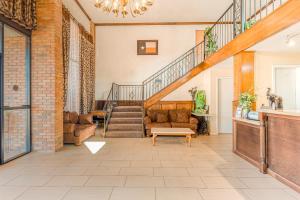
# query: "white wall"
264,62
77,13
116,52
208,81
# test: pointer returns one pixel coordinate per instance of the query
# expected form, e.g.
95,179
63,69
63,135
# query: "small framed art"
147,47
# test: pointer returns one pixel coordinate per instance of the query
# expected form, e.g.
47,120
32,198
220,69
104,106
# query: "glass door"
15,93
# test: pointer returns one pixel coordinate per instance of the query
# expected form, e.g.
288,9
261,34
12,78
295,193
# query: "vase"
245,113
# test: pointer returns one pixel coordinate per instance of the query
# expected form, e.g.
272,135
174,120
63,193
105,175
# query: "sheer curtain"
73,92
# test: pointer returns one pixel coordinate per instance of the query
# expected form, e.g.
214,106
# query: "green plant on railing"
200,102
248,24
211,45
246,100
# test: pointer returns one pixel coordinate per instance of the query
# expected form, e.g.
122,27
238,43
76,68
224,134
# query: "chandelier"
124,7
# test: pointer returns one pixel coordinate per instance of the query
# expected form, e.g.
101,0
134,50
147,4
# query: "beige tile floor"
132,169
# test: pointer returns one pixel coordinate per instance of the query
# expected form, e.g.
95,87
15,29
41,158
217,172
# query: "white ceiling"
277,42
166,11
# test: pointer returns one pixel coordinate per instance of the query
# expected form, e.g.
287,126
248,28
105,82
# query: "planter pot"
245,113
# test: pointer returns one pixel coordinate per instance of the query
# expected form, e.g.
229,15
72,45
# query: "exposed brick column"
47,78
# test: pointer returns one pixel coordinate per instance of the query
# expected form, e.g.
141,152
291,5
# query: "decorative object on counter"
238,113
252,115
275,101
200,100
245,101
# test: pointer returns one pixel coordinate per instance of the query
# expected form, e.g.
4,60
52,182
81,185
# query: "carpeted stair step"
124,134
127,109
115,120
125,127
127,114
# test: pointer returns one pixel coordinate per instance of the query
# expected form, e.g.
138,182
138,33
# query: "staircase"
126,122
220,42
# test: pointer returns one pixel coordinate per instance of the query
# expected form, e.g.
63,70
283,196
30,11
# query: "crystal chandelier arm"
137,7
99,3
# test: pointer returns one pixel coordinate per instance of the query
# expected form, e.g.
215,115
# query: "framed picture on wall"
147,47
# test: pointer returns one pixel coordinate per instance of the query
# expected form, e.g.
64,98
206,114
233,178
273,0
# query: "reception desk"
272,144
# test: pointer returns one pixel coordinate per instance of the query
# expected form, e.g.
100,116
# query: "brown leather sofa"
78,128
169,119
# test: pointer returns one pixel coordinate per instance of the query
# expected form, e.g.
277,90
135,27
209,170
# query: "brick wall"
15,121
47,77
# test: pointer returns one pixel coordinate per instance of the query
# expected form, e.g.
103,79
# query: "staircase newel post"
243,16
204,47
194,61
234,18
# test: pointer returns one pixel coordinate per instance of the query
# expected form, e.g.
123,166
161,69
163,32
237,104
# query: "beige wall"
116,61
264,62
116,53
208,81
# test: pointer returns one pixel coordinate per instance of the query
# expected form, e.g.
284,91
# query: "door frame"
274,67
283,66
217,101
5,22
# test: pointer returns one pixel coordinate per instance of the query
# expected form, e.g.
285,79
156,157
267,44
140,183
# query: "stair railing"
240,16
173,71
109,105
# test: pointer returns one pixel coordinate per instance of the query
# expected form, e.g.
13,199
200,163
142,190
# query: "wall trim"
155,24
83,10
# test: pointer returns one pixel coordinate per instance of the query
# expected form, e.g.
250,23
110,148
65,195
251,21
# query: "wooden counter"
272,144
283,146
249,141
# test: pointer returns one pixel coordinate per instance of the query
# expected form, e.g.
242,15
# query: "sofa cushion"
158,125
88,129
73,117
173,115
69,128
183,116
162,117
152,115
86,119
182,125
67,117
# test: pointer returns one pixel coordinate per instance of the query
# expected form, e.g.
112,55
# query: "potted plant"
246,100
200,100
211,45
249,23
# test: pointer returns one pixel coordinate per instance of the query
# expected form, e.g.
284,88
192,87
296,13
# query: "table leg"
189,137
153,139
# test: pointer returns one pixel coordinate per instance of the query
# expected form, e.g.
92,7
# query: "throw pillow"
86,119
67,117
152,115
162,117
182,116
73,117
173,115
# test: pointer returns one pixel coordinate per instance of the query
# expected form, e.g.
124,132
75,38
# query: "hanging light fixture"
123,7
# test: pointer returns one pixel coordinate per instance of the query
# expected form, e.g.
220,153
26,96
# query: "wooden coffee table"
187,132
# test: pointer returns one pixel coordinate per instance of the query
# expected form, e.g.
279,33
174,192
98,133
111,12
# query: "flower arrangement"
246,100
